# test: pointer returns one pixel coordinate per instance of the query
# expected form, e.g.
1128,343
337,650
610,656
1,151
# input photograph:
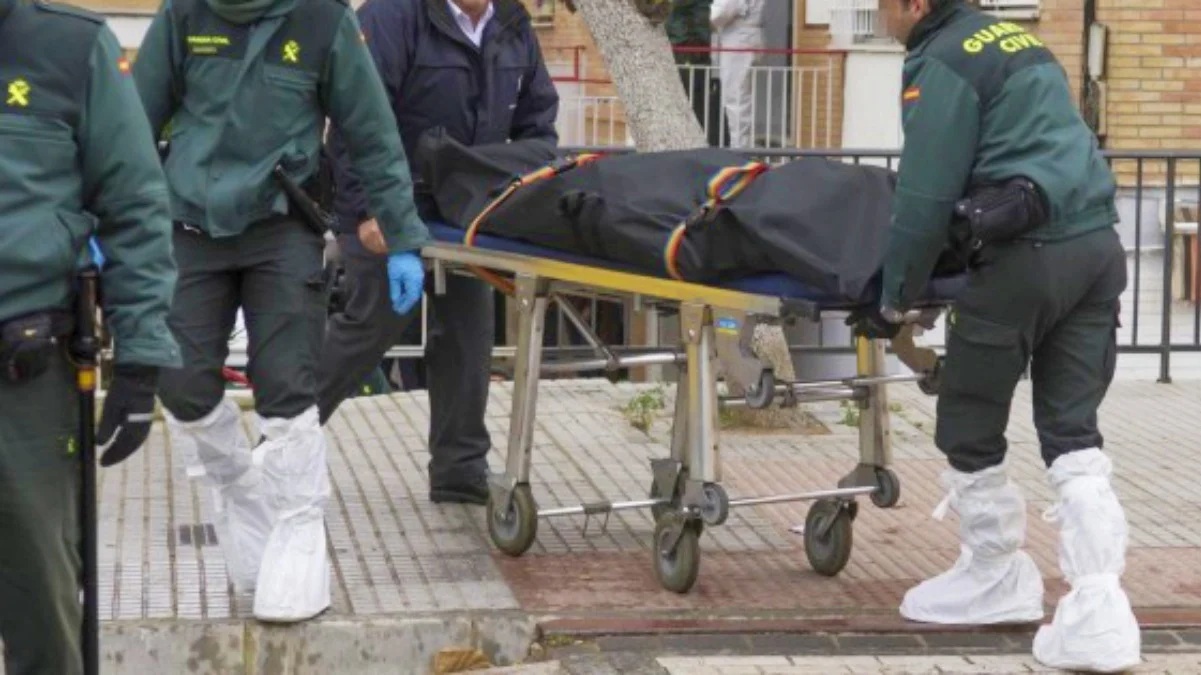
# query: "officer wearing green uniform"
76,160
245,88
687,25
991,134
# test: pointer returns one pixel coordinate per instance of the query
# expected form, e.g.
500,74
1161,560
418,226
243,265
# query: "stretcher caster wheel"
828,537
760,395
888,489
657,510
677,569
716,507
513,529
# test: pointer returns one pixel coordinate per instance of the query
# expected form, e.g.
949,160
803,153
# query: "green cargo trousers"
40,612
274,272
1051,306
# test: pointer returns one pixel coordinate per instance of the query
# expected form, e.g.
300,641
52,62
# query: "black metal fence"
1159,199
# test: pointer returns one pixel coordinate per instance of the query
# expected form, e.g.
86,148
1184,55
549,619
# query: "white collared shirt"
473,33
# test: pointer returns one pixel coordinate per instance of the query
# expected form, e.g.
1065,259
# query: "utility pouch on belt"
28,343
999,213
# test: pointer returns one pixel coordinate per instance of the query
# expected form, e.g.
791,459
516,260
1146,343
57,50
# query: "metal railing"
792,93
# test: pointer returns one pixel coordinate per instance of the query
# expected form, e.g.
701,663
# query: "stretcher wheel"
760,395
716,508
513,529
677,570
828,553
657,510
888,489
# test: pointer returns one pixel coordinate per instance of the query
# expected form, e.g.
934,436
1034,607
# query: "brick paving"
1175,664
396,553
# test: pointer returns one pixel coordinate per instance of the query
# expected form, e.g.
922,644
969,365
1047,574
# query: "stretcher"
716,326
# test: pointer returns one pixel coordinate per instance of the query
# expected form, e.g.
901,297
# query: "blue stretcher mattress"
939,291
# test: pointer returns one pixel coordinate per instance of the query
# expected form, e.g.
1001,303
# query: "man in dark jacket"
988,114
474,68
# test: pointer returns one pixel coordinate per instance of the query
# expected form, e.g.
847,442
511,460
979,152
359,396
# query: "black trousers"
40,613
273,271
458,357
1053,306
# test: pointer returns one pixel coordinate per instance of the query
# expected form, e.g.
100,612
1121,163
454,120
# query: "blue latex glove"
406,280
97,256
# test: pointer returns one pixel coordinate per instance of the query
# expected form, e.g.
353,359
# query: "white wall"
871,117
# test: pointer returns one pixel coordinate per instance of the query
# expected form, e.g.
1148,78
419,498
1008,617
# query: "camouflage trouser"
40,612
1051,306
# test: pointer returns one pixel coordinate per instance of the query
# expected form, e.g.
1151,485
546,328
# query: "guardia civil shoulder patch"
911,94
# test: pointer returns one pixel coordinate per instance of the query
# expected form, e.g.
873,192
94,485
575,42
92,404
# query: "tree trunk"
660,117
639,60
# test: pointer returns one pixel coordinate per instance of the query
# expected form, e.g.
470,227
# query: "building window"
1012,9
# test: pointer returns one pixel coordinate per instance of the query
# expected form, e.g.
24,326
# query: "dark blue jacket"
436,77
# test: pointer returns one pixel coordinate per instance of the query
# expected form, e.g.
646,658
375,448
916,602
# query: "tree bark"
638,56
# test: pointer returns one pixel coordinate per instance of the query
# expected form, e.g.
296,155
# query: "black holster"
28,343
996,213
306,202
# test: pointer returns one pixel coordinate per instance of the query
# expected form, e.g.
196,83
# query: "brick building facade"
1152,81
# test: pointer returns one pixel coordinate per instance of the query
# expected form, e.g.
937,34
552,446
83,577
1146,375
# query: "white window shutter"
817,12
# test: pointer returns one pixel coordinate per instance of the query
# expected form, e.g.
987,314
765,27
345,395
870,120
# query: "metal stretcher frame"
686,492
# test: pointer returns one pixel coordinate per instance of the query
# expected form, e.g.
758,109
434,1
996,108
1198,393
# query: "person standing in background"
688,27
737,29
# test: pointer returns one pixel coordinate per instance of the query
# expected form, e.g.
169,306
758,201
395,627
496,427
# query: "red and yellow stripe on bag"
548,171
724,186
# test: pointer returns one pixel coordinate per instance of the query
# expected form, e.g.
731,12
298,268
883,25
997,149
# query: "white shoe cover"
215,450
1094,628
183,442
293,582
992,581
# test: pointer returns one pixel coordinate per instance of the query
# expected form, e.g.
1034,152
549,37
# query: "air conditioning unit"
855,22
1012,9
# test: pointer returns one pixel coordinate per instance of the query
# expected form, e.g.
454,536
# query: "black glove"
870,323
128,413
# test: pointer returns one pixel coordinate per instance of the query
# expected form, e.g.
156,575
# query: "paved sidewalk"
631,664
1175,664
398,557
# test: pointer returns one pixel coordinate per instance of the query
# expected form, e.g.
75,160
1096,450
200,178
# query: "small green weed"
640,410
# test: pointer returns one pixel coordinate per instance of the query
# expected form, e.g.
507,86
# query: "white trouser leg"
992,581
215,450
1094,628
736,95
293,583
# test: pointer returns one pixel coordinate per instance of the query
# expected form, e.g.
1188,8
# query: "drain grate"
201,535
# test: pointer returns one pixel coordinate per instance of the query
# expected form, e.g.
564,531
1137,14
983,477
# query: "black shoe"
472,492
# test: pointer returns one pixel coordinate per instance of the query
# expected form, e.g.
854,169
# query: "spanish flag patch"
911,94
123,65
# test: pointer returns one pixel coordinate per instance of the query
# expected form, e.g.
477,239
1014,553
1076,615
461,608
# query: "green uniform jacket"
242,98
984,101
688,26
77,159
